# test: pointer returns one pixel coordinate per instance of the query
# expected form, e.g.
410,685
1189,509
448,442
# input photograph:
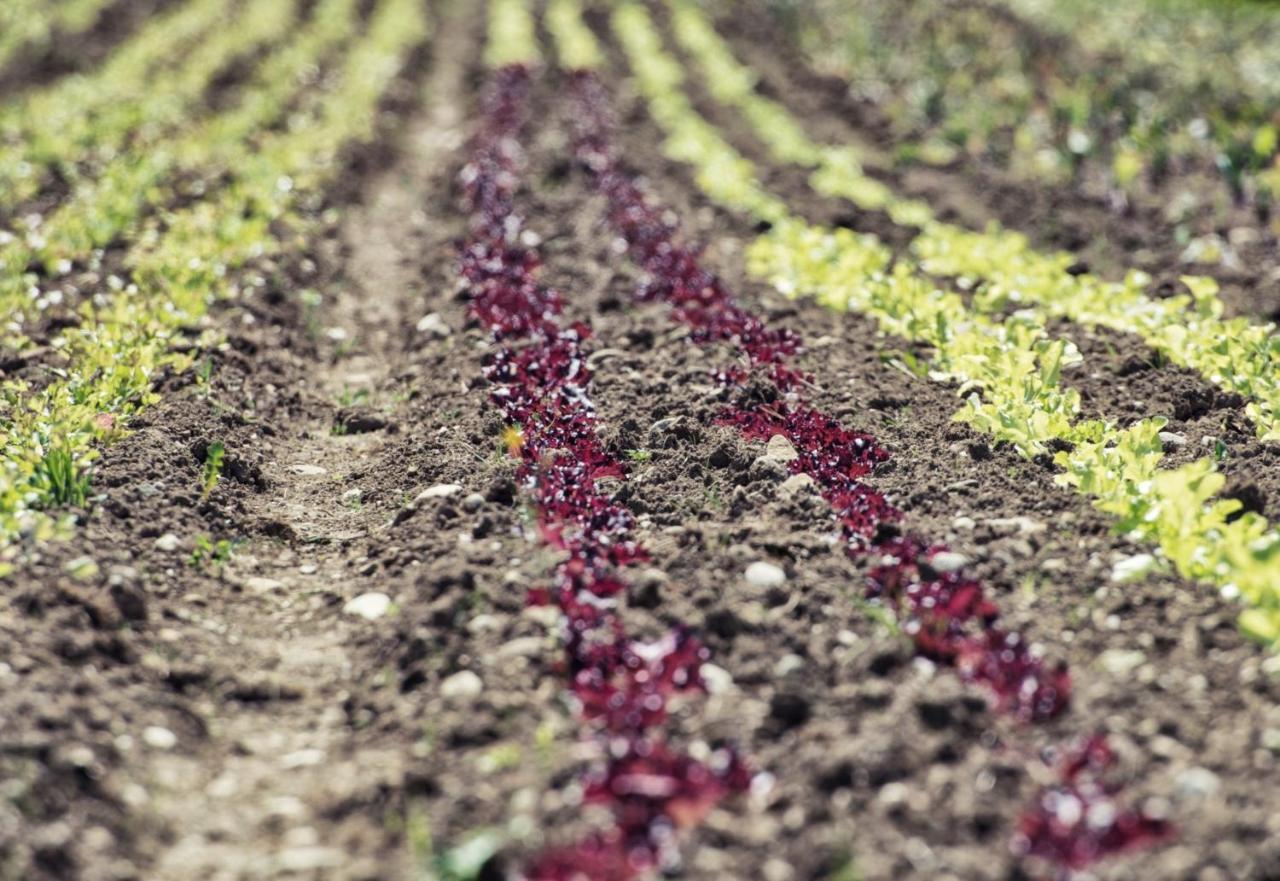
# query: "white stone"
370,606
765,575
796,483
433,325
439,491
167,542
781,449
948,561
1120,663
462,685
788,664
159,738
717,679
1197,783
1172,439
963,523
1020,524
259,584
307,470
303,758
1132,568
298,860
522,647
484,623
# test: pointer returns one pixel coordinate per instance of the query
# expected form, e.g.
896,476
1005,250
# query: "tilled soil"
177,716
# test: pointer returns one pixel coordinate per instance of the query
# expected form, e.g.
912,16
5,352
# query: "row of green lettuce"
149,145
184,260
1009,368
1237,355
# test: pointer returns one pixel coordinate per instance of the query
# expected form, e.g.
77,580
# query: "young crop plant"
214,458
58,477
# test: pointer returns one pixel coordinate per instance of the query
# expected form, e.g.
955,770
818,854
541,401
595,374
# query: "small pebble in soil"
948,561
1197,782
472,503
796,484
433,325
787,665
1172,440
717,679
439,491
781,449
308,470
1020,524
1120,663
159,738
764,575
463,685
303,758
167,542
1132,568
369,606
259,584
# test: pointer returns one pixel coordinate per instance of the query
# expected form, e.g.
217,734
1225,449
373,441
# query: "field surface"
588,441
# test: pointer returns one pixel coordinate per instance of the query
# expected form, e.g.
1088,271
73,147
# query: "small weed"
214,458
711,498
311,301
500,758
466,861
349,397
204,378
845,869
906,362
639,455
208,553
62,481
544,744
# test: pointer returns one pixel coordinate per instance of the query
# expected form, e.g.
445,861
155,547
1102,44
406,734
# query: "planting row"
1189,330
1010,369
109,203
540,380
57,129
121,337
